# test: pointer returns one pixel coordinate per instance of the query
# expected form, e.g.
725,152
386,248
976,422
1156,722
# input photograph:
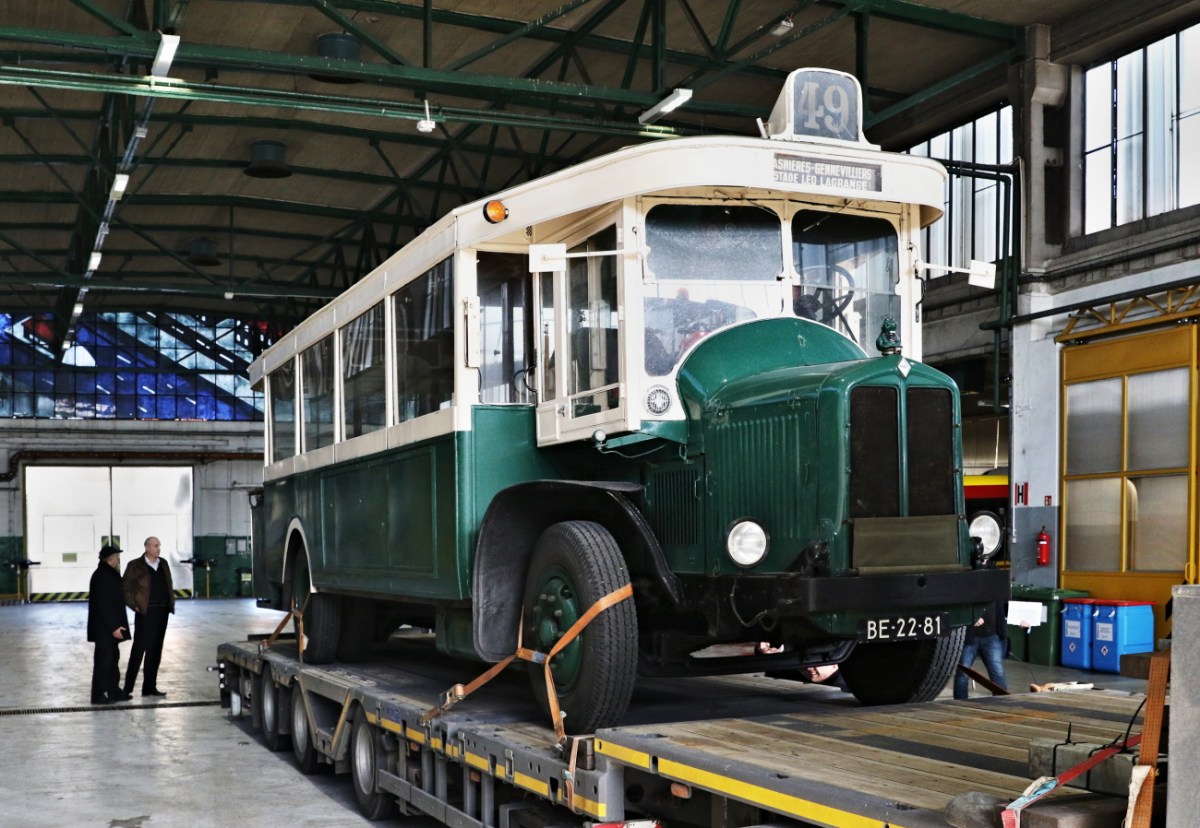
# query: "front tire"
322,615
574,565
903,671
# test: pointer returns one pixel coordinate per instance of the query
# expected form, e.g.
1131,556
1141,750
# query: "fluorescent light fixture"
120,182
668,104
166,54
783,27
78,309
94,260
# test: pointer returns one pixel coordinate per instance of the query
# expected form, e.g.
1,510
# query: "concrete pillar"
1042,86
1033,456
1183,806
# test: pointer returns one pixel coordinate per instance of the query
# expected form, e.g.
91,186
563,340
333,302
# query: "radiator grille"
930,452
674,508
874,453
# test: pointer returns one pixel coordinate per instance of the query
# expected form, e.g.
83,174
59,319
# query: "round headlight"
986,526
746,543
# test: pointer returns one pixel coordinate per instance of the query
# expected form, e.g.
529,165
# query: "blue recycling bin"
1120,628
1077,629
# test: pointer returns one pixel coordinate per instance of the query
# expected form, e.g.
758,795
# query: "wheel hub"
555,610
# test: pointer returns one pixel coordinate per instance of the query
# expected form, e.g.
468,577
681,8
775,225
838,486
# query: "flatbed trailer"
713,751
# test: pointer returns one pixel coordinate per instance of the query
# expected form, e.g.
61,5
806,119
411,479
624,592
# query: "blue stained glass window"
130,366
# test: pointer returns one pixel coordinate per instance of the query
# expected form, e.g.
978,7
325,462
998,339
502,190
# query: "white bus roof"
854,172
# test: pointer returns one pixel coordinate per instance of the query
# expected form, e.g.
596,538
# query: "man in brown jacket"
151,596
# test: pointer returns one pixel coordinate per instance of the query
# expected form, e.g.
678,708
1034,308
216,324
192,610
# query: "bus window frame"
554,425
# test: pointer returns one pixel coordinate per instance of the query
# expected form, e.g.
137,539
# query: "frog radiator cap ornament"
888,341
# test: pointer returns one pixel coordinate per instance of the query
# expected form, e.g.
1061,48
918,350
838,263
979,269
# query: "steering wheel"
830,301
520,382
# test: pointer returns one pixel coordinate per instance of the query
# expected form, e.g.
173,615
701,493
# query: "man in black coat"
108,626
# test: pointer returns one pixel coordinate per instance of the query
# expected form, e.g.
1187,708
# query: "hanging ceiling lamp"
203,253
337,46
267,160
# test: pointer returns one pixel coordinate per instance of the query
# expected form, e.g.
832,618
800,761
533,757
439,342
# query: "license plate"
904,627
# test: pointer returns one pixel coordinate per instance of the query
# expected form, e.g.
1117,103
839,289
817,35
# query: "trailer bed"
786,749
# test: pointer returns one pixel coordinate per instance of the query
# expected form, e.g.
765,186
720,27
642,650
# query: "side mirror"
982,274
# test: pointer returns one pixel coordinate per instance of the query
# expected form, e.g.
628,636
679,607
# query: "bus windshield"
847,267
717,265
713,265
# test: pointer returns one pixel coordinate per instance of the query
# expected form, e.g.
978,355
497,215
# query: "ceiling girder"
585,114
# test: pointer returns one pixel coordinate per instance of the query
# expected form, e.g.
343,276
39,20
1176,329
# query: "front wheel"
574,565
903,671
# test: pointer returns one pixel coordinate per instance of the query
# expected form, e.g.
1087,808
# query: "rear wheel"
904,671
269,696
303,748
357,633
574,565
367,755
322,615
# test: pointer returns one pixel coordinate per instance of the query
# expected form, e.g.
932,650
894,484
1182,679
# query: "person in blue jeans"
988,639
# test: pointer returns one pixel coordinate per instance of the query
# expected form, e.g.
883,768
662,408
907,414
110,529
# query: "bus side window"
316,370
506,322
425,343
546,336
363,374
283,411
592,325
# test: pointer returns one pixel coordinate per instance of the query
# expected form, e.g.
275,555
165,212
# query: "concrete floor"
179,761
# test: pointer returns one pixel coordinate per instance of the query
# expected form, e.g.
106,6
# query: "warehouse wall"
225,459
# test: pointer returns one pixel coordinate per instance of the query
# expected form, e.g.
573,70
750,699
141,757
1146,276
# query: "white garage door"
71,511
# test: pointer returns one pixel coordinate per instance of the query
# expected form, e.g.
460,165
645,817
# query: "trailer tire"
269,710
256,684
303,745
574,565
903,671
322,614
367,755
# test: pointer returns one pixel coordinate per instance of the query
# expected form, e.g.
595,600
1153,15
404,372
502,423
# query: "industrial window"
1128,440
1141,137
971,226
130,366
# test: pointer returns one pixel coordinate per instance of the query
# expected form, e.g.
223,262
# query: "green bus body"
653,376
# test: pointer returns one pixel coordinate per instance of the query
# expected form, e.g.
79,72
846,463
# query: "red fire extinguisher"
1043,548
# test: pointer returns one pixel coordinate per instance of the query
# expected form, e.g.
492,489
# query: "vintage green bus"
659,368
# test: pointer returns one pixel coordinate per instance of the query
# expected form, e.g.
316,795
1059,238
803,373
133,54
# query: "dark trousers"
148,633
106,670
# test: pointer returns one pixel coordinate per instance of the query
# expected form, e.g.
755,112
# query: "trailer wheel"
905,671
574,565
268,700
302,738
322,614
367,754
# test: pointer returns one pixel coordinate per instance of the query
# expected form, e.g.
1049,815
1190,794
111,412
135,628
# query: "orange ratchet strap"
459,691
298,614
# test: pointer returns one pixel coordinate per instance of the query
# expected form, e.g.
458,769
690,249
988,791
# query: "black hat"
107,550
